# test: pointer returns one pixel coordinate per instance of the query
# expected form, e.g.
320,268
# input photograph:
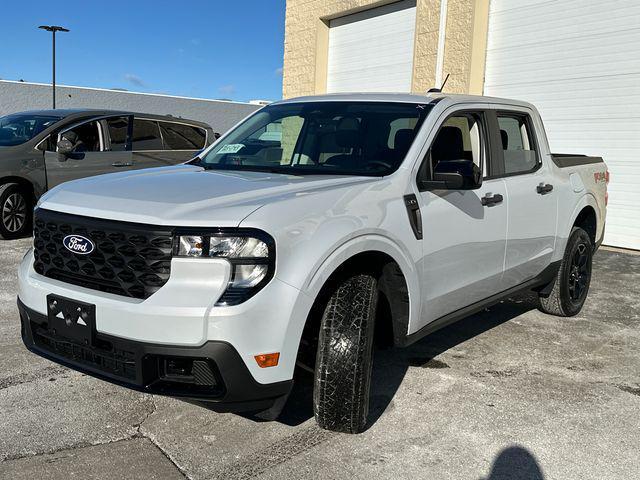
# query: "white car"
382,216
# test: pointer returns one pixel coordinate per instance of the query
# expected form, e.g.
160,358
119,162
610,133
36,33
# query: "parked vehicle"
41,149
367,217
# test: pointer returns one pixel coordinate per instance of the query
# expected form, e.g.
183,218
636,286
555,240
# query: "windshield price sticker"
231,148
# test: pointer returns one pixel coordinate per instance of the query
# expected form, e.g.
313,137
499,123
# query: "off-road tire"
14,223
563,300
345,356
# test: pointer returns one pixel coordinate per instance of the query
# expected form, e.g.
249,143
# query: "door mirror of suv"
454,175
64,148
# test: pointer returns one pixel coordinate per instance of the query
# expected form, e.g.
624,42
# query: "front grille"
129,259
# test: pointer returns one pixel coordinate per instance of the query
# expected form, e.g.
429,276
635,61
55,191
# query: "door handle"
543,189
489,200
121,164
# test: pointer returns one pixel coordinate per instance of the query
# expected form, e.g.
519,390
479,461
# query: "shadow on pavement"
391,365
515,463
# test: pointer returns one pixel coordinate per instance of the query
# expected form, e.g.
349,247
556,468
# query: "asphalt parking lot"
509,393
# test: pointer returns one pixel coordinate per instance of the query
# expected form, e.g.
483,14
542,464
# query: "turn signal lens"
267,359
190,246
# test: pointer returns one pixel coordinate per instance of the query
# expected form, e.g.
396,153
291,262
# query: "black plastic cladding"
235,296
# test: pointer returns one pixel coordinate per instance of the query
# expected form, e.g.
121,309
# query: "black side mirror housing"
460,174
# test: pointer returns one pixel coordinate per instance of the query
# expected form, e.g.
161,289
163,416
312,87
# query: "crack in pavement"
76,446
140,434
84,443
29,377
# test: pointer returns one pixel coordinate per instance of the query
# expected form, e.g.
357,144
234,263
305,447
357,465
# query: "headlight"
250,252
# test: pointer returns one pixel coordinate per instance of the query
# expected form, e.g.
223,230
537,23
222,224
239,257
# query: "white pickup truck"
314,226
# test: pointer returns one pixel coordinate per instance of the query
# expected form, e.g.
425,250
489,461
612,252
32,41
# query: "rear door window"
146,135
518,145
178,136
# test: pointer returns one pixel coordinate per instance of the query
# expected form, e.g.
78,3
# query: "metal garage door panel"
372,50
578,62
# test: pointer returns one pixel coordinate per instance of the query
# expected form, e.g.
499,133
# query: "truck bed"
564,160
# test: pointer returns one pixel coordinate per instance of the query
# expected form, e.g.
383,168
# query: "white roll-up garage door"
579,62
372,51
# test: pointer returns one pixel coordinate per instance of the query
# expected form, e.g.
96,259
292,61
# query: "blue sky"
208,49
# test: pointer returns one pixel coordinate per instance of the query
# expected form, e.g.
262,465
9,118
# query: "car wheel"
345,356
15,211
574,277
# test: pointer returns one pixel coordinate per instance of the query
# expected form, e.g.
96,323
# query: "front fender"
362,244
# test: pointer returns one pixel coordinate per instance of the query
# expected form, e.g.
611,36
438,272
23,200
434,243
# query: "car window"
84,137
459,138
118,130
352,138
518,147
146,135
178,136
17,129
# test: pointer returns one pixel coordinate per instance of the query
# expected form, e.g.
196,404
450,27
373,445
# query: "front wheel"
345,356
15,211
574,277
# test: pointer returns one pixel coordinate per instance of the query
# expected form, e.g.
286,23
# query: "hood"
183,195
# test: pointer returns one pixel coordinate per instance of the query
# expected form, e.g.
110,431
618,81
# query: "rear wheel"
344,357
574,277
15,211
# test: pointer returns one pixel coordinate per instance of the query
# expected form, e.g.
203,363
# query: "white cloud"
134,80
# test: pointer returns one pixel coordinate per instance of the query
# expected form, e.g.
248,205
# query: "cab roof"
401,98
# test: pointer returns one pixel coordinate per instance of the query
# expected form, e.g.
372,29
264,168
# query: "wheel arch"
398,286
23,182
585,215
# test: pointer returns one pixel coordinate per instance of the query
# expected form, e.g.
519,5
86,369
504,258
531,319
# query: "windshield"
331,138
20,128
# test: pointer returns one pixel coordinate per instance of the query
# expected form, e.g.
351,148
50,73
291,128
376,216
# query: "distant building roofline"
125,92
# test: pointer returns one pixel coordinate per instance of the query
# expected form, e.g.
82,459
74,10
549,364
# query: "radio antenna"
439,90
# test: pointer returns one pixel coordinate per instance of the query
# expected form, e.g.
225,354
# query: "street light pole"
53,29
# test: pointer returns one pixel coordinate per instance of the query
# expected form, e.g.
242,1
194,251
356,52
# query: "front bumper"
183,314
214,371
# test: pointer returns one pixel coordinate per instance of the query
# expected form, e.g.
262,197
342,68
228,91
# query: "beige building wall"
307,39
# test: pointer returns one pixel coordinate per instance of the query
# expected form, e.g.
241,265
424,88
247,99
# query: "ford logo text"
78,244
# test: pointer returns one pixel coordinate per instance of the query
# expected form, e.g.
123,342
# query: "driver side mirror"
64,147
459,174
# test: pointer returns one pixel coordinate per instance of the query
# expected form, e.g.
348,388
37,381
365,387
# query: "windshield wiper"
252,168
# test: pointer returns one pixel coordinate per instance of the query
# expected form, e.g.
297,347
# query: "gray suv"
41,149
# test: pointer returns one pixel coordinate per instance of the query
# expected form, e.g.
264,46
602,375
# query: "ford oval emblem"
78,244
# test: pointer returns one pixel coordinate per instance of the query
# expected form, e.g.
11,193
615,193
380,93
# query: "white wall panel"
578,61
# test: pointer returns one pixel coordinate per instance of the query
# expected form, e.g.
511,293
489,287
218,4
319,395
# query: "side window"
177,136
146,135
85,137
118,129
518,145
459,138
